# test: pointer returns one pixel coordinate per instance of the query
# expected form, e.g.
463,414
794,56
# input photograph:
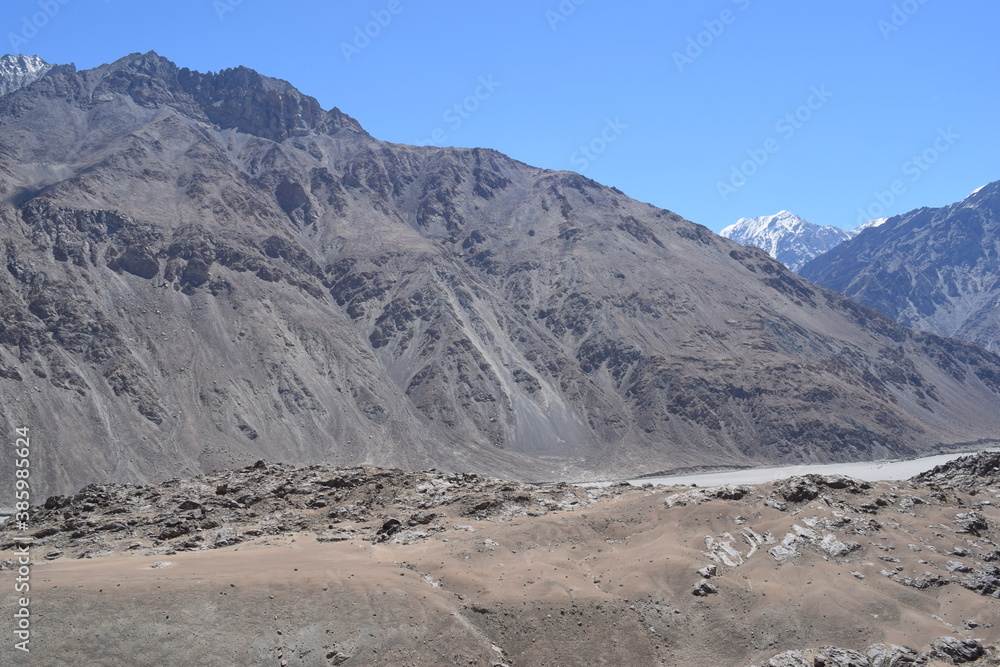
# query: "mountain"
936,269
206,269
18,71
790,239
878,222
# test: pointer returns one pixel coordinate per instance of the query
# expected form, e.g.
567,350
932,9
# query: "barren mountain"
276,565
936,269
206,269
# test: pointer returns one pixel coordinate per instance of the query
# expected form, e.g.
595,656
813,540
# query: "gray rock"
839,657
704,589
789,659
955,651
891,655
838,548
971,522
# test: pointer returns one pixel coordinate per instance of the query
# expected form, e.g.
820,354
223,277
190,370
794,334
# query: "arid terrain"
275,565
206,269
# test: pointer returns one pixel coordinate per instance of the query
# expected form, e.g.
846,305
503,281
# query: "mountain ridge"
790,239
932,268
189,287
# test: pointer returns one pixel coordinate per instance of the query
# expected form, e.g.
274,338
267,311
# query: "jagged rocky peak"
21,70
237,98
260,105
785,236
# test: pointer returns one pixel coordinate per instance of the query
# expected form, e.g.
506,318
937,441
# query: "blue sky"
715,109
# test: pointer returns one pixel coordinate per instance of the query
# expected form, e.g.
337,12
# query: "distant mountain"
878,222
936,269
19,71
788,238
205,269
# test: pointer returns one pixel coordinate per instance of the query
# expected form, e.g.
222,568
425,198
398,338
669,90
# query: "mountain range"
790,239
936,269
205,269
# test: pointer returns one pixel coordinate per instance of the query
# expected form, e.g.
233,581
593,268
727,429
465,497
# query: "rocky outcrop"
968,472
947,649
272,500
621,574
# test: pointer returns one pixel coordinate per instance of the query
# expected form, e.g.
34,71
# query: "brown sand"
610,584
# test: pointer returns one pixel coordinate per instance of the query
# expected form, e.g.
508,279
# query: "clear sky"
715,109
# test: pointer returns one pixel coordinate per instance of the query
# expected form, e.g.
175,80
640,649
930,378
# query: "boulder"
891,655
956,651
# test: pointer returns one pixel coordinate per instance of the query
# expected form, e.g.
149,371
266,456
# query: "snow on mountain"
790,239
878,222
19,71
786,237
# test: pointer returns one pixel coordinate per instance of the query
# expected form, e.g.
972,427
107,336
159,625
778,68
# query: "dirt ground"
606,584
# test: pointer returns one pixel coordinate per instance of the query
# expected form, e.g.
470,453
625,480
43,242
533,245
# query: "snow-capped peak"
786,237
20,70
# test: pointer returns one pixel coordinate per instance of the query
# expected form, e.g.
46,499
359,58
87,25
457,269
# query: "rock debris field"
274,564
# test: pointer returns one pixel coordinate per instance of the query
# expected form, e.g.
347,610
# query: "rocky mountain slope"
18,71
201,270
936,269
790,239
273,564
